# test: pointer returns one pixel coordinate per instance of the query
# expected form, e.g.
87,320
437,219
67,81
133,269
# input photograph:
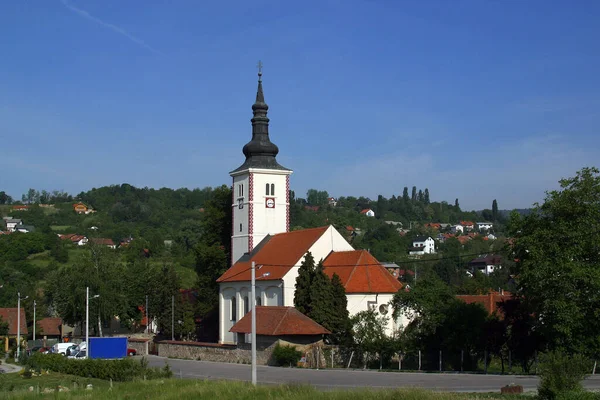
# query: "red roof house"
9,315
50,327
489,301
360,272
279,321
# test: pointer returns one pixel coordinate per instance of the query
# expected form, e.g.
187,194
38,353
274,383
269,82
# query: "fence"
427,360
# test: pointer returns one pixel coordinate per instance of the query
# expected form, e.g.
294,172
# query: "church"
261,234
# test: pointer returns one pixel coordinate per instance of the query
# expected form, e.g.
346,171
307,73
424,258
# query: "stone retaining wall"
140,345
211,352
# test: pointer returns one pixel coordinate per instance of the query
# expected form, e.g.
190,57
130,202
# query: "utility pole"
19,322
253,333
147,319
34,304
173,318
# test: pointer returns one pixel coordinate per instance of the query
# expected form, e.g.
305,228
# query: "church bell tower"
261,202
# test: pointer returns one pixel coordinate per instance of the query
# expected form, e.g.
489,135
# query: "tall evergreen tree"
414,194
342,328
405,194
420,196
426,196
321,299
456,204
495,210
304,280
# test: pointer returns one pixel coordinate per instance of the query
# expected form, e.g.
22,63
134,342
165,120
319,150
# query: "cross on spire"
259,65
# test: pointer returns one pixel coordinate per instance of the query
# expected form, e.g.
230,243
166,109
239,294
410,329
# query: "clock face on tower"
270,202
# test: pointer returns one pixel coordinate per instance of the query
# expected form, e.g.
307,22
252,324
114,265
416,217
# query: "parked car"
131,352
61,348
71,350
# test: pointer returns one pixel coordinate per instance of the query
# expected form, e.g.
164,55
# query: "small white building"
457,229
12,223
368,212
486,264
484,226
422,245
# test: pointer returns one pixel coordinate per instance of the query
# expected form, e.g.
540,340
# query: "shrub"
117,370
561,373
286,355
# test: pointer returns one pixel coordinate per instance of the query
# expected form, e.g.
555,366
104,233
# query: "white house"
422,245
11,223
261,216
486,264
368,212
484,226
457,229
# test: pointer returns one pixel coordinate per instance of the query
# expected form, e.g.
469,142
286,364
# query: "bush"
286,355
561,373
117,370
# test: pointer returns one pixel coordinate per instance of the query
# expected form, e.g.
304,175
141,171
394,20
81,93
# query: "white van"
61,348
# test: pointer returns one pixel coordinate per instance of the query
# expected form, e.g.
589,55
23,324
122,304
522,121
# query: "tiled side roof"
366,210
360,272
10,315
279,321
488,301
50,326
277,253
103,241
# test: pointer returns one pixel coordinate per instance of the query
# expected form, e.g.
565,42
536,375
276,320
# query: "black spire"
260,152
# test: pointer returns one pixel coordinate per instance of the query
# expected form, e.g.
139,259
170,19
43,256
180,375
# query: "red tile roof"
467,223
366,210
19,207
360,272
279,321
489,301
277,255
103,241
10,315
50,326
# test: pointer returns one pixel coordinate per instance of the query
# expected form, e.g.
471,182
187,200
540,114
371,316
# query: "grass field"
198,389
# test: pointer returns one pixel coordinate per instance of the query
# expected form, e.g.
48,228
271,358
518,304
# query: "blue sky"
478,100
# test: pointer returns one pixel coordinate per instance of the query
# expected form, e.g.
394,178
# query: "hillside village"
324,266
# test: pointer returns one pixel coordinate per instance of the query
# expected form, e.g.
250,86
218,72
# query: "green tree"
321,298
413,197
495,210
3,328
426,196
317,197
405,194
211,263
5,198
456,204
304,281
557,251
342,326
368,331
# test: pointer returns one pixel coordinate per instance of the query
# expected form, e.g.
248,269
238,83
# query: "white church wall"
330,241
358,302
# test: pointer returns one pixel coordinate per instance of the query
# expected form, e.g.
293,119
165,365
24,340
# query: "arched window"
272,189
246,305
242,188
258,302
267,189
233,309
240,227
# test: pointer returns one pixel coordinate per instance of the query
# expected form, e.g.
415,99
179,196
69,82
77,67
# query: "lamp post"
253,310
34,304
19,323
87,320
173,318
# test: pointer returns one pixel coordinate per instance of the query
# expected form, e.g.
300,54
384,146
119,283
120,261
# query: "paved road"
349,379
